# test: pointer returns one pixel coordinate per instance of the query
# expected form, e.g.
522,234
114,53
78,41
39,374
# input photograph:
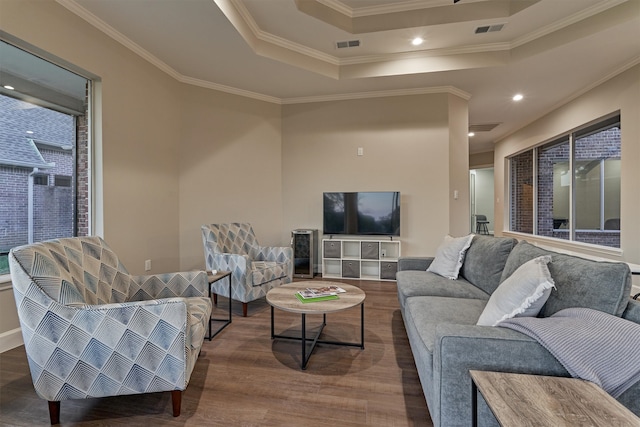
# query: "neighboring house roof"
25,129
22,153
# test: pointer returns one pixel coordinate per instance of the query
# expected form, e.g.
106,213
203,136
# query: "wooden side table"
219,275
538,400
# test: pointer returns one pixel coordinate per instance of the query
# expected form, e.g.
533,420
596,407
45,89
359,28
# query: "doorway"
481,203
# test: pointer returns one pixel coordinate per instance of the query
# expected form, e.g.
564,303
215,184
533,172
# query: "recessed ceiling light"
8,87
417,41
518,97
471,134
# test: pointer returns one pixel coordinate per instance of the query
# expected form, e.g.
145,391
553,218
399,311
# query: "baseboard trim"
10,339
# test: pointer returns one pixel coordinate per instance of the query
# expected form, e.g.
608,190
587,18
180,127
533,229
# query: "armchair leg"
244,309
176,400
54,412
215,299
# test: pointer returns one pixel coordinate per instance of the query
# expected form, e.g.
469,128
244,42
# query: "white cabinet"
360,259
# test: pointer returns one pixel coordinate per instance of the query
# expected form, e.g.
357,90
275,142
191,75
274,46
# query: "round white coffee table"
284,298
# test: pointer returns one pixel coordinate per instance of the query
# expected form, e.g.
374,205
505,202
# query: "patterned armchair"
91,329
254,269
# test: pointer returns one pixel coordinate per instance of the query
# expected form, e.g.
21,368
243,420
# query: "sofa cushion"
580,282
422,315
424,283
485,260
521,295
428,312
450,256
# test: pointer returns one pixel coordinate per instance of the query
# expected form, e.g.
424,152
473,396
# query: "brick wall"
522,192
13,206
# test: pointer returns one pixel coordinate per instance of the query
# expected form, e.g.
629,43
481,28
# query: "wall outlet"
147,265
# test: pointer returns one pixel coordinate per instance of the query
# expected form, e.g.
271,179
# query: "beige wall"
139,106
230,168
620,93
481,160
405,141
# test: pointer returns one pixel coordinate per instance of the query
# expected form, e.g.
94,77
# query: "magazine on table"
321,292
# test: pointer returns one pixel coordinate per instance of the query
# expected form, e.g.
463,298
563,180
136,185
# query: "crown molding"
383,9
379,94
229,89
463,50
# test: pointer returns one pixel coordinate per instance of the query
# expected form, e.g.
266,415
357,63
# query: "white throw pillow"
521,295
450,256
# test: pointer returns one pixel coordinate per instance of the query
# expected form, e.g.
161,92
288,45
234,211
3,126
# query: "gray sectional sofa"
440,318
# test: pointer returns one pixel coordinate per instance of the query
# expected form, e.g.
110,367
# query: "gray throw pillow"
450,256
521,295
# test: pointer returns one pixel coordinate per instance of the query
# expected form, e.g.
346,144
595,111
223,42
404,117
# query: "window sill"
566,230
5,282
586,250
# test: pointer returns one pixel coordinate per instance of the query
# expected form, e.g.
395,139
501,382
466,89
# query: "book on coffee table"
324,293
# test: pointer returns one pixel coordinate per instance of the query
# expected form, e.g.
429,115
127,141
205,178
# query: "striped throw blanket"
590,344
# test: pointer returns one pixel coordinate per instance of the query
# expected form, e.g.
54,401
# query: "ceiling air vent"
346,44
484,127
489,28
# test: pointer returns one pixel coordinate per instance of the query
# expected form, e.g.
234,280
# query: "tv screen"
362,213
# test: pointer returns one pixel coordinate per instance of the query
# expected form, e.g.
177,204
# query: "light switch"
360,151
455,194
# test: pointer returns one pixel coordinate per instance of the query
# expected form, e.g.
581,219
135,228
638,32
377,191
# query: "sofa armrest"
632,312
460,348
280,254
414,263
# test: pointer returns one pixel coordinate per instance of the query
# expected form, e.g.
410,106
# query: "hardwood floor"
243,378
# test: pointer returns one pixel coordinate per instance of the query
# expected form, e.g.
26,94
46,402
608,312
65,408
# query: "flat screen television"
374,213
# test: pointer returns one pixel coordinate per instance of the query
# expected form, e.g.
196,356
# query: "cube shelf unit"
360,259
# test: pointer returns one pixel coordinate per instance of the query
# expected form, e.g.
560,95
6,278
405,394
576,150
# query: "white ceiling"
284,51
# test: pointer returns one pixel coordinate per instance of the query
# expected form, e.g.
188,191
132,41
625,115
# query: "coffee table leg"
273,335
304,342
362,326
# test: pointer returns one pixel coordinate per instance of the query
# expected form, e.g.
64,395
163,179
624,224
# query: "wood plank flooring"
243,378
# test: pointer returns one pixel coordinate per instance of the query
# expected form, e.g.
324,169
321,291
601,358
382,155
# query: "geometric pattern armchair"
254,269
91,329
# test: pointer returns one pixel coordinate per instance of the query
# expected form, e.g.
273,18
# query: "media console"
360,259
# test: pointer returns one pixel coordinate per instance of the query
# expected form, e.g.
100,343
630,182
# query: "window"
547,199
62,181
43,151
40,179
